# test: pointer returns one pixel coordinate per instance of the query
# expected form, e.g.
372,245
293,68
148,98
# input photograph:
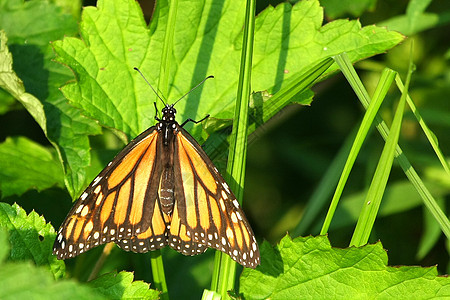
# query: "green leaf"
31,26
34,22
31,238
110,91
25,164
13,85
121,285
26,281
302,267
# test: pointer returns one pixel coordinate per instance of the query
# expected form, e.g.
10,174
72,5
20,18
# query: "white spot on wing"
225,186
233,217
79,209
236,203
96,181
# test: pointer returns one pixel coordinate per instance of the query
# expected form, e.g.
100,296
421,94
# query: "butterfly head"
168,113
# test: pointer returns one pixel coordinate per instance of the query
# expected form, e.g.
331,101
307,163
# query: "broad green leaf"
301,268
110,91
13,85
31,238
30,27
121,286
26,281
33,22
25,164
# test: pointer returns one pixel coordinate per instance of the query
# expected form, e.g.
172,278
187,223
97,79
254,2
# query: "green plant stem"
159,279
164,71
163,86
225,271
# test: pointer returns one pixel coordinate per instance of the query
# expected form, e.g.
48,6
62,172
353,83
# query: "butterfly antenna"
210,76
150,85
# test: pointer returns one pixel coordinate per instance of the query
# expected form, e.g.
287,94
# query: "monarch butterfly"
161,189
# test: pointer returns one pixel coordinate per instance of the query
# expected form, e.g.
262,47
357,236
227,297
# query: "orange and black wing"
206,213
119,205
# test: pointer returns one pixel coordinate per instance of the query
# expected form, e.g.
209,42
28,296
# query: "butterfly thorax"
168,127
167,124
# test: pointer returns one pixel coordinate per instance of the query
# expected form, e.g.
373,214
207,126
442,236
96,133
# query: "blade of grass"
378,186
386,79
225,272
403,161
163,86
429,201
429,134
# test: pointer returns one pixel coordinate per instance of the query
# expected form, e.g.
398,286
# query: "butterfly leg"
196,122
156,113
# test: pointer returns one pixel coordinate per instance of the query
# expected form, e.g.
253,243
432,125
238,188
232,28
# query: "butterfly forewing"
162,189
115,205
